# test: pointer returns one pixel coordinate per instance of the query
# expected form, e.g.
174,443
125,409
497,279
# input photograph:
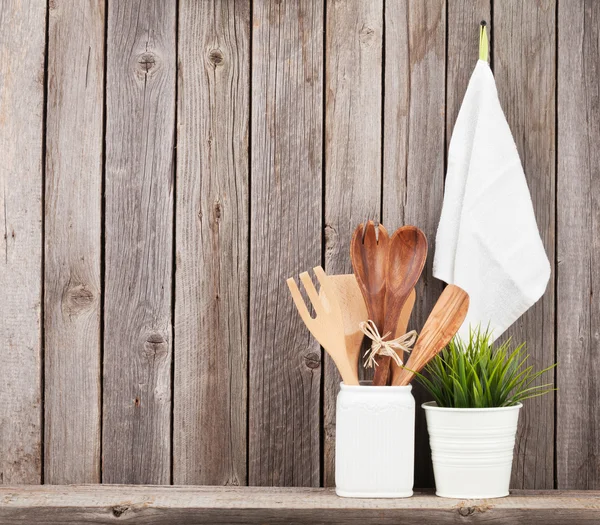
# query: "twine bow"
380,346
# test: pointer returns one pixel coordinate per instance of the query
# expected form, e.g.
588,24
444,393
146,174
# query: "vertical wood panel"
285,229
524,66
212,243
413,171
140,124
22,46
73,241
352,151
578,274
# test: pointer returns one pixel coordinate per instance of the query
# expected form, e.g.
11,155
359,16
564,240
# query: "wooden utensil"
444,321
347,293
349,297
368,252
327,326
406,258
401,329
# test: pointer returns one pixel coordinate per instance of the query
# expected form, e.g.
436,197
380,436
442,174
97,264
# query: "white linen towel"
487,241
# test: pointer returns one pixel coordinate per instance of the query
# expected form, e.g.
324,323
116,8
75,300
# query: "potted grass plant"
478,389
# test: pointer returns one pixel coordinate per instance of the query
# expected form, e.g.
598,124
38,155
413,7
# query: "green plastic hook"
483,42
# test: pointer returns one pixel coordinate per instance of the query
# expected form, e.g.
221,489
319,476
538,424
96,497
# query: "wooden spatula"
406,258
327,327
354,310
347,293
444,321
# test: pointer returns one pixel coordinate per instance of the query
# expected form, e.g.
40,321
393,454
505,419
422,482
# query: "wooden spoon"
442,324
406,259
368,252
349,297
327,325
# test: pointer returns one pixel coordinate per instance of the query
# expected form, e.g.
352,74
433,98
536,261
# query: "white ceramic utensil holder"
472,449
374,444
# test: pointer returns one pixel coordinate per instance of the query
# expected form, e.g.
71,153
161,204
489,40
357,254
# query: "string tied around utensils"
380,346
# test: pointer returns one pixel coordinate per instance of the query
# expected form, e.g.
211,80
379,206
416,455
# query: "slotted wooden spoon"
442,324
406,258
368,252
327,326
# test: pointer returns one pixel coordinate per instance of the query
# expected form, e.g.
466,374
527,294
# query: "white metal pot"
374,444
472,449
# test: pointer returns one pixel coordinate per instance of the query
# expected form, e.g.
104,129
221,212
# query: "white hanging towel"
488,241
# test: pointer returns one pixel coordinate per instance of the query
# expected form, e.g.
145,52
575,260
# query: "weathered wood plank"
578,272
140,124
209,435
286,146
353,155
196,505
73,241
22,47
524,66
464,18
413,163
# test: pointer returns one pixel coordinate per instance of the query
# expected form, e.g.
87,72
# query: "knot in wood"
466,511
77,298
215,57
218,209
312,360
147,61
155,346
119,510
366,34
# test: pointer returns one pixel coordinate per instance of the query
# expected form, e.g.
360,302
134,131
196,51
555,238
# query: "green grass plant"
479,374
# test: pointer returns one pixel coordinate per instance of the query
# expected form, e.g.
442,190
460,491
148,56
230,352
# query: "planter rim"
432,405
370,388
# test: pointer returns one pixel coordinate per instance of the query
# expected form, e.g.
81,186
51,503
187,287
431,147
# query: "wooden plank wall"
138,241
73,242
22,79
167,165
578,236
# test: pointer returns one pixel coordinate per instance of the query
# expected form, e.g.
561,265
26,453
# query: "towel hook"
483,42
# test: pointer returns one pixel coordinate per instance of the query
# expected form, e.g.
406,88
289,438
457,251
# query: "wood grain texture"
413,160
238,505
22,47
73,241
140,125
524,66
578,273
285,373
353,54
464,17
211,348
443,322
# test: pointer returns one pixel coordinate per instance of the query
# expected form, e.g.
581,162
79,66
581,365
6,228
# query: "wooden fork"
328,325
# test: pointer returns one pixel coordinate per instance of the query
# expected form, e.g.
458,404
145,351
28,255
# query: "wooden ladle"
442,324
406,258
368,252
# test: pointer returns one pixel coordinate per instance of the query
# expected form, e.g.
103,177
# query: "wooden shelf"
187,505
